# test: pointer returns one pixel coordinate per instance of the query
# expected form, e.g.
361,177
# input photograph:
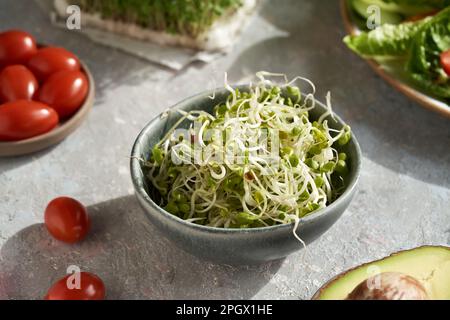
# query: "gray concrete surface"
403,198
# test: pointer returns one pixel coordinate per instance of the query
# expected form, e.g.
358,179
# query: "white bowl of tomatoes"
45,93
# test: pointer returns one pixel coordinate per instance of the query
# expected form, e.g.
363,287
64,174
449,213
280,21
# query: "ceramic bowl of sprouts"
246,174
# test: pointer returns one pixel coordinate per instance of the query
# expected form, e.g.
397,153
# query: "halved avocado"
430,265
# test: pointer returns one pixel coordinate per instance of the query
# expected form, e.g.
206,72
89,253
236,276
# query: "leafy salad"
414,32
283,164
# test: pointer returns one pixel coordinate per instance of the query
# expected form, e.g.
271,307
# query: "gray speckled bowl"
234,246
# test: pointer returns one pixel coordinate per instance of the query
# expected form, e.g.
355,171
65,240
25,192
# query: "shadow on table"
132,258
393,131
10,163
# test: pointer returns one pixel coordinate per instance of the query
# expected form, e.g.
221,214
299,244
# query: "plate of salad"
410,48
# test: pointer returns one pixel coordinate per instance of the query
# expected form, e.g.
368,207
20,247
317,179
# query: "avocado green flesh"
430,265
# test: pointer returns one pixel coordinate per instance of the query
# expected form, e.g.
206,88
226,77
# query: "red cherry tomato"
89,287
16,47
67,219
445,61
17,83
50,60
64,91
23,119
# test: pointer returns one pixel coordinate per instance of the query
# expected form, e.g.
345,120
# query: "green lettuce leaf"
387,40
424,59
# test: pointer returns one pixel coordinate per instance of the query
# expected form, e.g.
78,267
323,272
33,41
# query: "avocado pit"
389,286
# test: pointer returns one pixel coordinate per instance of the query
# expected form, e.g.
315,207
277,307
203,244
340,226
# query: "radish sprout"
257,161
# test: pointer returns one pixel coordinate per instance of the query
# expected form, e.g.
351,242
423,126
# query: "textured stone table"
403,198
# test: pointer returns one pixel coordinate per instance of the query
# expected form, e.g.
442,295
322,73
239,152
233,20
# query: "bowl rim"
135,171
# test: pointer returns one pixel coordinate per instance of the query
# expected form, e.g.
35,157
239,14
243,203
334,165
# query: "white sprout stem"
218,192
